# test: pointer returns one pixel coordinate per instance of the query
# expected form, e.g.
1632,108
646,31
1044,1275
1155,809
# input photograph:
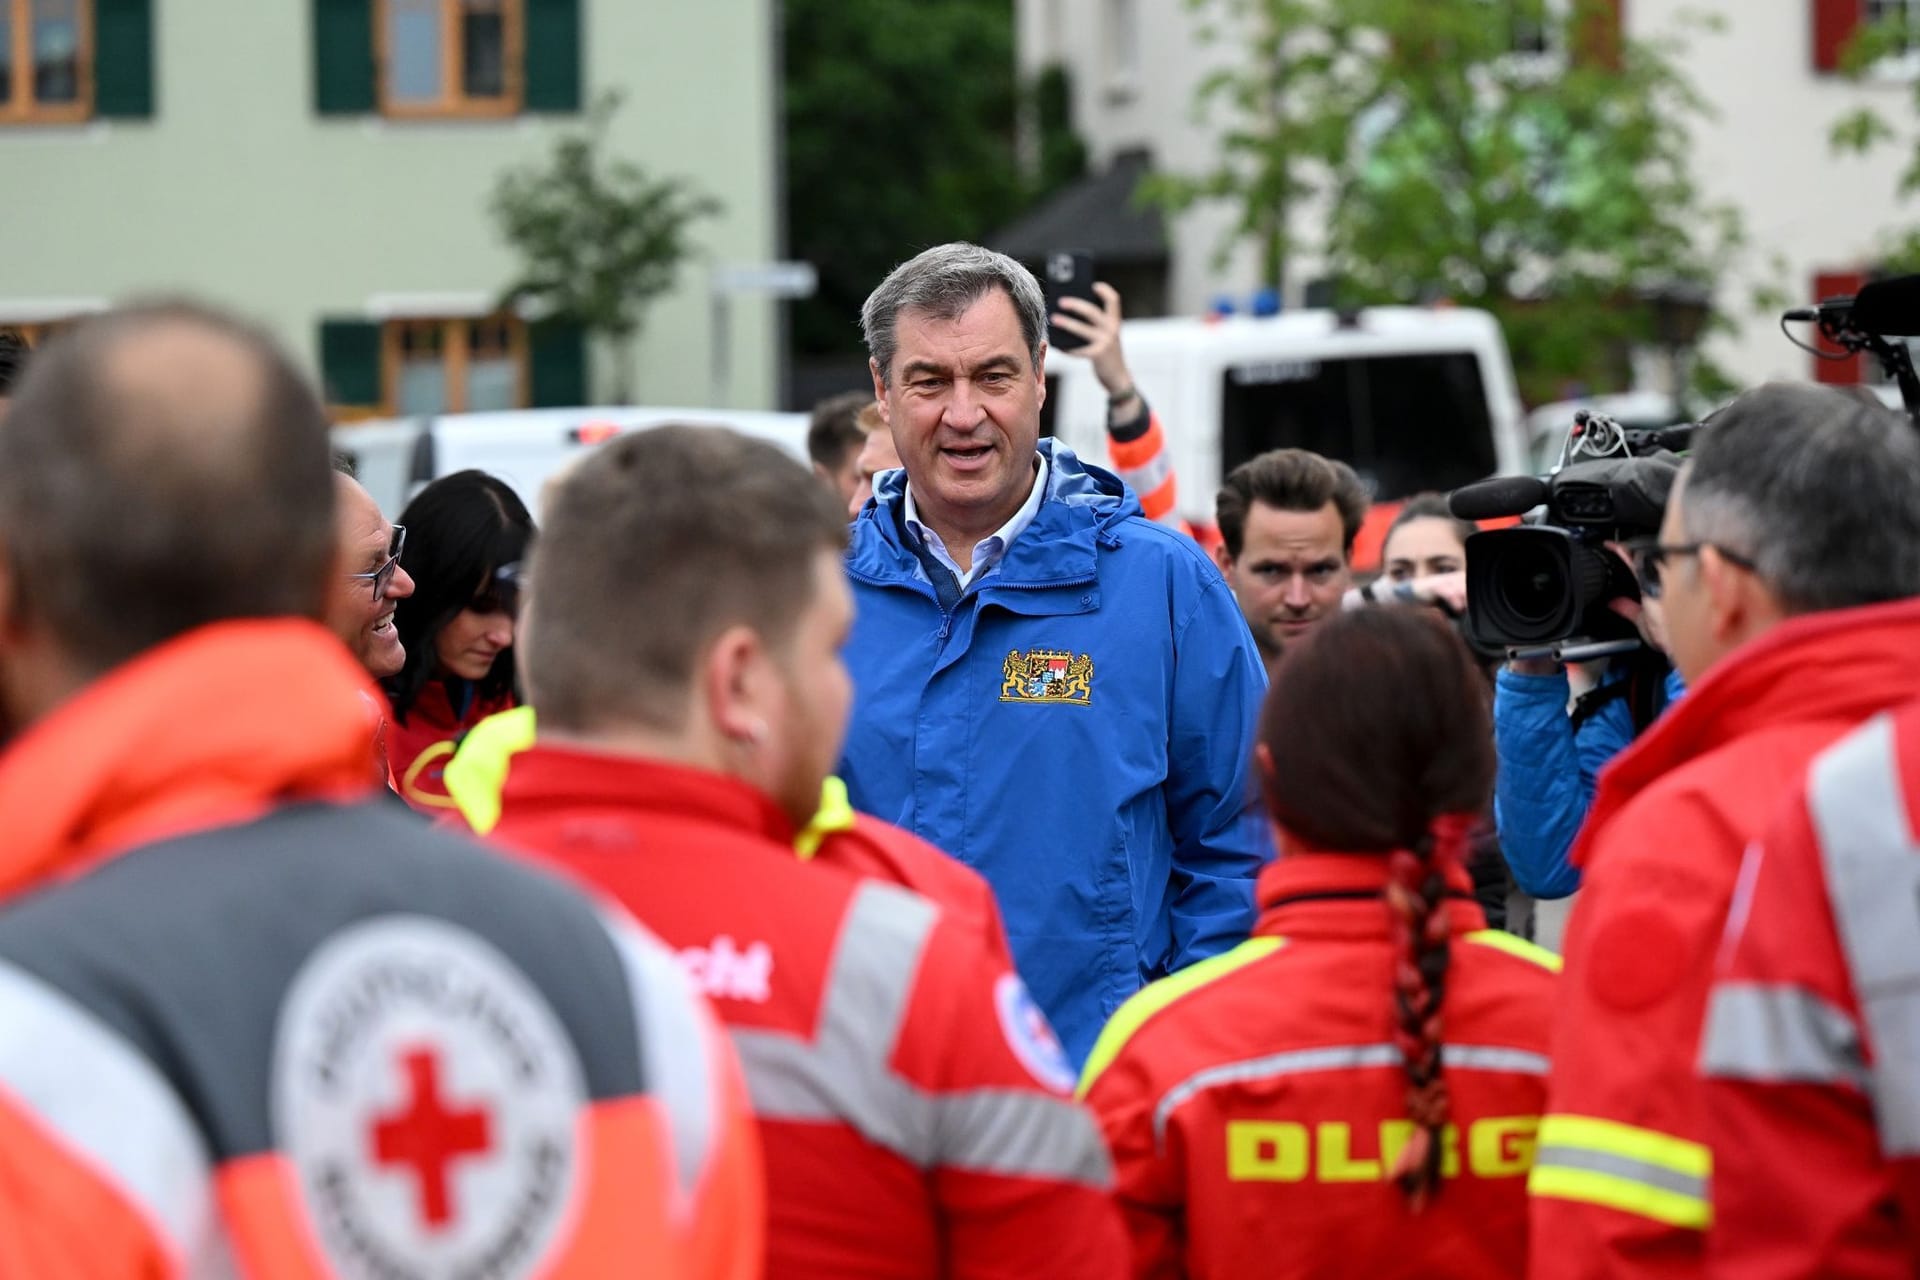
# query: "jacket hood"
1843,664
1084,507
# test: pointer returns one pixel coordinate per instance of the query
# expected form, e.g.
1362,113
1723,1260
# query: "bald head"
162,468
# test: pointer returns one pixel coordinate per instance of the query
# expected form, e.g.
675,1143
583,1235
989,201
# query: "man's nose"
400,586
1297,596
964,408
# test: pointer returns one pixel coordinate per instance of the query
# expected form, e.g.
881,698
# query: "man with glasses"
370,582
1786,570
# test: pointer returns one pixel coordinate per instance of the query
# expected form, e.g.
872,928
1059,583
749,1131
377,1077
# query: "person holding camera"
1786,565
1552,747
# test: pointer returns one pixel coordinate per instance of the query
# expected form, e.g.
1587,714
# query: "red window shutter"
1834,22
1599,33
1836,284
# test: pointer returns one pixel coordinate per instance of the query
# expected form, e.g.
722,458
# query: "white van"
395,458
1412,398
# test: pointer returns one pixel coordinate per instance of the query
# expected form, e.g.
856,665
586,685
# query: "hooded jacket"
251,1023
1077,726
1622,1182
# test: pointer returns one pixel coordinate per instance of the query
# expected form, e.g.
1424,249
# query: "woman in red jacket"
1353,1091
466,535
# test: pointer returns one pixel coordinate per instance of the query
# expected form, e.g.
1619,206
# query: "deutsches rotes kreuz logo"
1030,1035
427,1097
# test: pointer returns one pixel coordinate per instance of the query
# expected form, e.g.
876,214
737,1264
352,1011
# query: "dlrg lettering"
1285,1151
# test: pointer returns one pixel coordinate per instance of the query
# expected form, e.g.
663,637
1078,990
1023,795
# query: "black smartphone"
1069,274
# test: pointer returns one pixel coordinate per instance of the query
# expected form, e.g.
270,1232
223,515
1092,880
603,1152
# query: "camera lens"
1533,587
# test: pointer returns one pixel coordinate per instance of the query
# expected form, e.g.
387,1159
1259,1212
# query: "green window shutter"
557,356
343,82
123,59
350,362
553,55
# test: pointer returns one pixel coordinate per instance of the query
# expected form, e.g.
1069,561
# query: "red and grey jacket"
1255,1101
1812,1077
914,1106
1623,1183
249,1017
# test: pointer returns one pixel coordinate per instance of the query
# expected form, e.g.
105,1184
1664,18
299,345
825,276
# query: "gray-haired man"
1047,685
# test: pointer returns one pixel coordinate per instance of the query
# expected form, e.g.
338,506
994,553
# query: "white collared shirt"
990,550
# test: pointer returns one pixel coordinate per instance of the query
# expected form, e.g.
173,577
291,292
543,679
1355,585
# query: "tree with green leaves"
598,238
1866,130
901,132
1551,188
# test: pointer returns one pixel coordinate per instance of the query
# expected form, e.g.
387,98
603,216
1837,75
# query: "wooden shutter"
1834,22
350,362
1599,33
557,360
123,59
553,48
1836,284
343,71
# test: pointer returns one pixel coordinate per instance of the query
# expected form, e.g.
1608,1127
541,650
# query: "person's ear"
1735,598
880,391
1225,561
1263,760
732,686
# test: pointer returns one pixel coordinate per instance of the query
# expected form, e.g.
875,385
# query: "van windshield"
1405,422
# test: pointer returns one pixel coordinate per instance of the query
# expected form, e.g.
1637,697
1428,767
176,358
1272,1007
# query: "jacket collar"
1082,512
1307,894
1843,664
214,727
547,779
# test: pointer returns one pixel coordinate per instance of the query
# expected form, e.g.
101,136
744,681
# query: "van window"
1405,423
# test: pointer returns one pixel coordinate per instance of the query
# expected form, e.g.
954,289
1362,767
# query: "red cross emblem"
428,1137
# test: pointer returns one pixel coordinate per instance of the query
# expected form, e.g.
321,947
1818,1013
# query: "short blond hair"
869,419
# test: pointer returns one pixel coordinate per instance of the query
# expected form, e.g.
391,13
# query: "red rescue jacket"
912,1101
1811,1083
419,747
1621,1182
1255,1101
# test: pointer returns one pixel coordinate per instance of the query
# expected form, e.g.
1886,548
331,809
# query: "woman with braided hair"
1354,1090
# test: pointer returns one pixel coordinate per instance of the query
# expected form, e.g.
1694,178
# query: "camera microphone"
1497,498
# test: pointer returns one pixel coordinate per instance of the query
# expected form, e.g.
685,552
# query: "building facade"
325,167
1769,69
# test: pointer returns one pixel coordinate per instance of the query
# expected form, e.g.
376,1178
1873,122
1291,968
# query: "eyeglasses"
502,594
1650,558
384,574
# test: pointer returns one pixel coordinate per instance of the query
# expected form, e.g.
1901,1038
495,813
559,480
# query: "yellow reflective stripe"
1500,940
408,784
1623,1167
1154,997
1648,1145
835,814
478,770
1611,1191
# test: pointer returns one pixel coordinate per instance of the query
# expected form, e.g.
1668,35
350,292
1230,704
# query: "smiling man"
370,583
1287,521
1047,685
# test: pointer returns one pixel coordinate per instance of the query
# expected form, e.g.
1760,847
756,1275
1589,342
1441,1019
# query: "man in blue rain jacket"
1048,686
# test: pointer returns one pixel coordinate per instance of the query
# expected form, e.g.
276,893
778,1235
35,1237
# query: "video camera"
1543,589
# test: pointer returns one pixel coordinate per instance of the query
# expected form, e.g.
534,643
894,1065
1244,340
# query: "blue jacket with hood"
1077,725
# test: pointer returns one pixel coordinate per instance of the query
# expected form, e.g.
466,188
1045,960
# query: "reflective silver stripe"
108,1104
845,1075
677,1040
1645,1172
1145,479
1021,1133
1769,1032
1856,801
1462,1057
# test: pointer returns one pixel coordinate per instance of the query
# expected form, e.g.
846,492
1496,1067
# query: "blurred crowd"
947,863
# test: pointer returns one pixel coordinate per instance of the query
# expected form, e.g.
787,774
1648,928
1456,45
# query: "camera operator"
1787,566
1552,746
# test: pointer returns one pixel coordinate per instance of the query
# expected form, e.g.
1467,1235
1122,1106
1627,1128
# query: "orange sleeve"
1147,1184
60,1221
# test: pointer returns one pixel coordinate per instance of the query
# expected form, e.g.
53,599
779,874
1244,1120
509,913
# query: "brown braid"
1416,898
